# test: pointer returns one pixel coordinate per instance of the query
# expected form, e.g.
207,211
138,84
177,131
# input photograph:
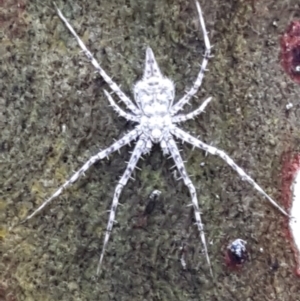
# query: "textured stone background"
54,116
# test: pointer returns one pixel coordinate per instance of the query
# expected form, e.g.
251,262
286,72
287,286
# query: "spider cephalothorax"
156,117
154,95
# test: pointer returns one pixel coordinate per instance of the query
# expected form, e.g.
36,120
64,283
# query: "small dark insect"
152,202
290,51
236,254
150,206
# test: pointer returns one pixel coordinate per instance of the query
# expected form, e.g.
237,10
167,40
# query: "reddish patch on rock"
13,18
290,51
290,168
5,294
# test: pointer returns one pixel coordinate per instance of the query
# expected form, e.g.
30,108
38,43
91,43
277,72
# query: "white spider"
156,117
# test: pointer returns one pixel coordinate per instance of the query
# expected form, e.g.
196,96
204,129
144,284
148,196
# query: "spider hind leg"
187,181
136,154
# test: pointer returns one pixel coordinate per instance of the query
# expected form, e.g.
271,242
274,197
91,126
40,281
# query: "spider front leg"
104,75
180,166
193,90
136,154
102,154
180,134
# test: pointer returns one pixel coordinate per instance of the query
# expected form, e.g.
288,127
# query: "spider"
156,116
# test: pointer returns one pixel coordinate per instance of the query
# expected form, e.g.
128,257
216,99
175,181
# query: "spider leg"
104,75
136,154
180,134
193,90
193,114
102,154
180,166
122,113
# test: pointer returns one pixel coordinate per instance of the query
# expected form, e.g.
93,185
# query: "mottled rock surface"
54,116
